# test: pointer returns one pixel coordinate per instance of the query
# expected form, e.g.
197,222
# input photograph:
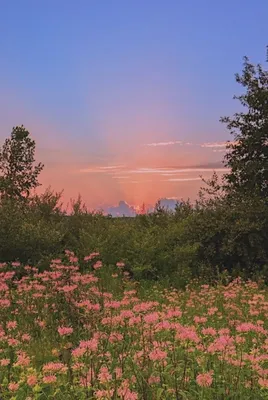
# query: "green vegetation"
225,230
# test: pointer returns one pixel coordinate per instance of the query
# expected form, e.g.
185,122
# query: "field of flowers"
68,335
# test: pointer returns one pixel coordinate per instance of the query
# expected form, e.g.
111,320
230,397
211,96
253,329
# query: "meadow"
98,334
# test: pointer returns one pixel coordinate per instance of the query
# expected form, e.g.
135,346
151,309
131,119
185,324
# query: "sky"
123,97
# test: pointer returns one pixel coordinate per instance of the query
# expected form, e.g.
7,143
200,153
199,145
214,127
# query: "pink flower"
209,331
78,352
97,265
153,379
185,333
65,330
120,264
118,372
91,256
15,264
91,344
23,360
115,337
104,394
54,366
104,375
31,380
200,320
205,380
4,362
25,337
245,327
13,387
69,288
11,325
86,380
151,318
263,382
13,342
157,355
49,379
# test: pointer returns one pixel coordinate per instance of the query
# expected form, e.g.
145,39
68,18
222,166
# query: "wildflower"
13,386
11,325
209,331
65,330
31,380
205,380
55,367
157,355
15,264
120,264
97,265
115,337
263,382
91,344
13,342
151,318
104,375
4,362
49,379
153,379
104,394
118,372
200,320
23,360
185,333
78,352
25,337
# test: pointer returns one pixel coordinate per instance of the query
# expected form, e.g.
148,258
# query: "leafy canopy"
247,155
18,174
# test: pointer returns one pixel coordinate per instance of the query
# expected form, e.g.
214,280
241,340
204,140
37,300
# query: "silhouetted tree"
19,175
247,155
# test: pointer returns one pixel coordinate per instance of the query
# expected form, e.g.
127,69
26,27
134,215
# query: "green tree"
18,174
247,155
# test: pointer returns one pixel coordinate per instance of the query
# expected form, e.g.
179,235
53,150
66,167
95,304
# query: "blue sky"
95,81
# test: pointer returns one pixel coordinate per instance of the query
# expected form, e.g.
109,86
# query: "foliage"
247,157
18,172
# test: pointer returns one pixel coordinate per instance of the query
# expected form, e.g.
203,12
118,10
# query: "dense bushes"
197,241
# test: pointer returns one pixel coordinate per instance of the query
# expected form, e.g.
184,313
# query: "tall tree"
18,172
247,155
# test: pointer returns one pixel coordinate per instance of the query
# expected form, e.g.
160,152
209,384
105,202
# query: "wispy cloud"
156,144
112,167
105,169
182,179
213,145
208,145
173,170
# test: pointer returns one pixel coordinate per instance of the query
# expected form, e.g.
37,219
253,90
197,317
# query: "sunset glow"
123,100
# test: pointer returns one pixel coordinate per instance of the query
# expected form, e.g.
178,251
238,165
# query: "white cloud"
156,144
